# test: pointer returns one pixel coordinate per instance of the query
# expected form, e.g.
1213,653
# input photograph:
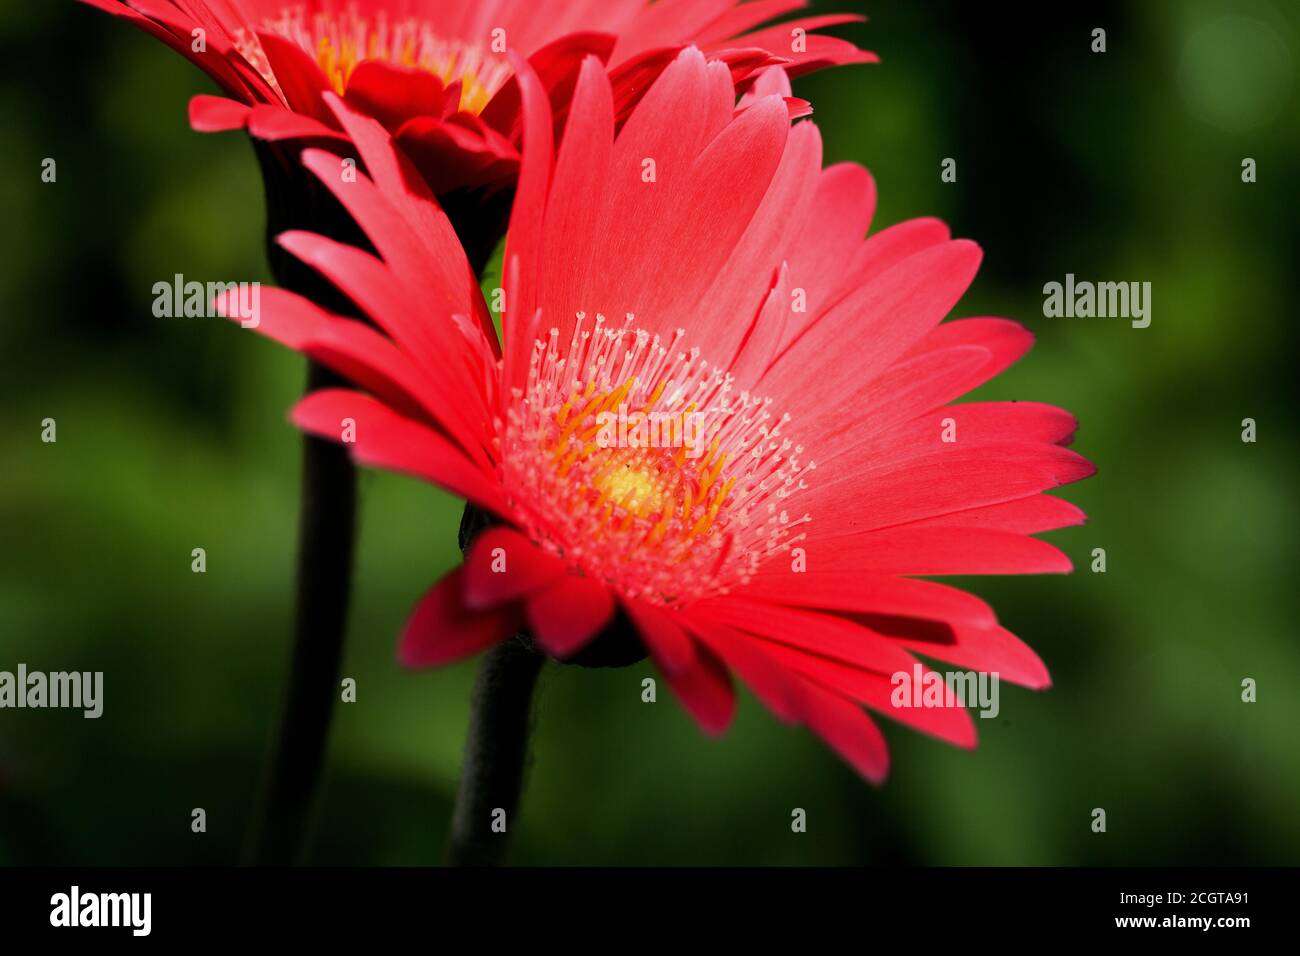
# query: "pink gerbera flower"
436,72
697,261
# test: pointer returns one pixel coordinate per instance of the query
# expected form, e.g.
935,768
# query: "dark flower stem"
325,540
496,744
327,522
496,749
326,532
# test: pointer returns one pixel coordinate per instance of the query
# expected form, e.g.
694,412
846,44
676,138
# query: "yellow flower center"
642,466
340,41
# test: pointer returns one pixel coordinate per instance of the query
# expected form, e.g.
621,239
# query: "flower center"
638,486
643,466
340,40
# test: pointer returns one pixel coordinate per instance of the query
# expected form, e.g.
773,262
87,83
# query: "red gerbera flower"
733,285
436,72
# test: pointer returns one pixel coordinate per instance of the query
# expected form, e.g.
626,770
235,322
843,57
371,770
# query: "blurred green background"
172,435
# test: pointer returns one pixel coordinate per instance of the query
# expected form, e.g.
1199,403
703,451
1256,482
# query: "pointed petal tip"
216,114
970,745
406,656
291,240
968,250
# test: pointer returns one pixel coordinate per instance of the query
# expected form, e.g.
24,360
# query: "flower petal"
949,723
698,679
441,629
836,589
991,648
847,729
776,687
354,350
381,438
565,616
502,566
216,114
921,549
818,633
